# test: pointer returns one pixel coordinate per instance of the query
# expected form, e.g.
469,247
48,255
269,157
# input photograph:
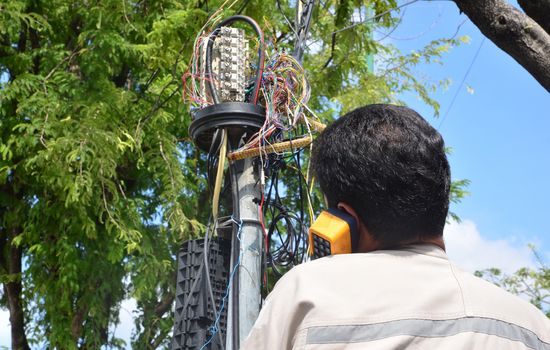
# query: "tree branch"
538,10
13,291
514,32
77,321
156,342
22,43
164,305
35,45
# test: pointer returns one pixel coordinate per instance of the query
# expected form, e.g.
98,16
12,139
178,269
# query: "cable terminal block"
229,59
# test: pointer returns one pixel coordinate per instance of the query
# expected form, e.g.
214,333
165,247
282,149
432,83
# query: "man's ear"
367,243
345,207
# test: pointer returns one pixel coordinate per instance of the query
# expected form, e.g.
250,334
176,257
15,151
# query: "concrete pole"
250,270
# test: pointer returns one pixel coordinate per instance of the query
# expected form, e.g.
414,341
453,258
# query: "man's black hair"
389,164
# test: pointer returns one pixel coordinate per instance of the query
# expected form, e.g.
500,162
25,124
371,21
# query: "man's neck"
438,241
373,246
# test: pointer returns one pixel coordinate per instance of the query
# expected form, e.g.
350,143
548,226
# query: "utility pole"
303,22
250,250
250,270
219,313
219,280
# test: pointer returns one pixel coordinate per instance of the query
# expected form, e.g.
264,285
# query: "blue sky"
500,133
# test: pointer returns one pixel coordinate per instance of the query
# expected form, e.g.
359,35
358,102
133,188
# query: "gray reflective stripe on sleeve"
424,328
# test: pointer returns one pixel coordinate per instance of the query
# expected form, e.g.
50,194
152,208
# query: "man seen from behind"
386,167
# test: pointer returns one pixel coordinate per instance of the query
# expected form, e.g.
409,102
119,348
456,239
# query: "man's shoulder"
483,294
401,284
485,299
342,263
327,265
353,271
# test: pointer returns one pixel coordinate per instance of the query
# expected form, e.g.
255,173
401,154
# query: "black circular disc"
238,117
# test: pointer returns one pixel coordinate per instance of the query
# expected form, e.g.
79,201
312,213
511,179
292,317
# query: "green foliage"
458,192
532,283
100,183
90,158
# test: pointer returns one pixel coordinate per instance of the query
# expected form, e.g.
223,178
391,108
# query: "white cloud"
125,327
468,249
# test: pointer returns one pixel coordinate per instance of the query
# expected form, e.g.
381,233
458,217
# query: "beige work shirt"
412,298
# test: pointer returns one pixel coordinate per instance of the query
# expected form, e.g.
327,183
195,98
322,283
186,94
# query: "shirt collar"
426,249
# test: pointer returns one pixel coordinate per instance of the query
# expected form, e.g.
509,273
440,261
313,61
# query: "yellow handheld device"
334,232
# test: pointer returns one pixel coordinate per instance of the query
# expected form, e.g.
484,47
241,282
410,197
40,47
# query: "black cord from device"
235,256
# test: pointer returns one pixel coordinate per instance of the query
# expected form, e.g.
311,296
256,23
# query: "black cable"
208,68
334,33
300,189
235,256
288,253
243,6
286,18
212,159
303,29
458,89
287,232
205,255
210,47
376,16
